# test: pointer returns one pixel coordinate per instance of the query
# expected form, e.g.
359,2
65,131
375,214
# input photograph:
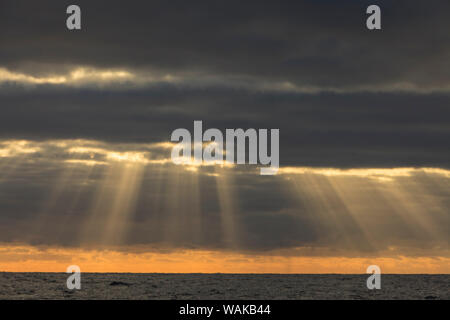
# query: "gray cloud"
327,129
300,42
240,64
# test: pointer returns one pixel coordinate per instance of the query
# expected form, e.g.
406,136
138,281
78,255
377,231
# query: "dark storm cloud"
327,129
225,52
304,42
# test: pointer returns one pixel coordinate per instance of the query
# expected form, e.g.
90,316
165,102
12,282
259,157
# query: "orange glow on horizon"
23,258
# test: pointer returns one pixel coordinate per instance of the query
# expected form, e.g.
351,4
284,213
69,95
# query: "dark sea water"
221,286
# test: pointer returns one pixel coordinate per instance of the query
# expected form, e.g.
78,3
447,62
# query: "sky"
86,176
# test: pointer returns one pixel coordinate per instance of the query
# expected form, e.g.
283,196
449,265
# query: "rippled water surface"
221,286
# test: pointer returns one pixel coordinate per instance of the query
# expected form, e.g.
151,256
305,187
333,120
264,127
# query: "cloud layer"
364,123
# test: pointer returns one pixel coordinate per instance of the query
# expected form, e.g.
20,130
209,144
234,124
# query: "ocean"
221,286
